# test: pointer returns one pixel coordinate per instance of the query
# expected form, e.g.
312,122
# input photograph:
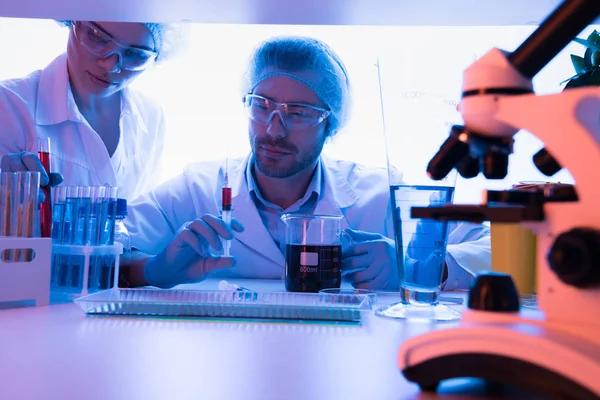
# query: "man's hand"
188,259
370,262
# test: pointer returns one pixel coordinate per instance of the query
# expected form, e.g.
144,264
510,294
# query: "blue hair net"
308,61
169,39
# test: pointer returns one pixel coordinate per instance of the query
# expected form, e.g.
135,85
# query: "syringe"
226,211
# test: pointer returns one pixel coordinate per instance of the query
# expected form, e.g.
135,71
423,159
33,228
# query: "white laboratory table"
56,352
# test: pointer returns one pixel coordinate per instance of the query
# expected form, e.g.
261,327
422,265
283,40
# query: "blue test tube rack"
85,254
85,258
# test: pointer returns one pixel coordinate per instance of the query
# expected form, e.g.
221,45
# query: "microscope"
555,352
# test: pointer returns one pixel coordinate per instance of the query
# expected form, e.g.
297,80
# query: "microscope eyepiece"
452,151
545,163
495,165
469,167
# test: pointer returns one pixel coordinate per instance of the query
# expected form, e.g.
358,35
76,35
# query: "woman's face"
94,75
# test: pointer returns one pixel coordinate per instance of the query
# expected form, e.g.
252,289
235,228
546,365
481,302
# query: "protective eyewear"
294,116
100,44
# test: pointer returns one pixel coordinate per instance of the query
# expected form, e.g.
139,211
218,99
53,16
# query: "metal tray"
226,304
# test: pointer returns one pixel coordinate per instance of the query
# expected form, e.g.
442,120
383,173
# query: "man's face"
94,75
278,151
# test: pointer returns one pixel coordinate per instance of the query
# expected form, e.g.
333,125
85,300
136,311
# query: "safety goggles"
295,116
100,44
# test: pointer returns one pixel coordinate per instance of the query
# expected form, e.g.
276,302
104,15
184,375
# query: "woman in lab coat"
101,131
297,97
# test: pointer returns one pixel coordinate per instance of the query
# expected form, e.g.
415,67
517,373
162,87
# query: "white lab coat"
360,194
42,105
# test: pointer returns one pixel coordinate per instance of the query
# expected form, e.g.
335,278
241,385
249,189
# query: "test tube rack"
86,251
25,283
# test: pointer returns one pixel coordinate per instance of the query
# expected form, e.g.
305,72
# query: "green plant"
588,66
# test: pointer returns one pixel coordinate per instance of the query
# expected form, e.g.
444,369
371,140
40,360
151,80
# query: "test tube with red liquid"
46,206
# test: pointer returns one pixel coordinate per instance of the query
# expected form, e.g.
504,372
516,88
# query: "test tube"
9,193
97,214
70,217
97,218
84,208
8,184
59,195
82,237
3,193
111,216
66,235
107,269
46,207
29,190
31,181
14,218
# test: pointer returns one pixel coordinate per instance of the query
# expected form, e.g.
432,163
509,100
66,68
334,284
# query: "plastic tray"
226,304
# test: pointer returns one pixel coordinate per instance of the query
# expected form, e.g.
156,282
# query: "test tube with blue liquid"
59,197
108,236
68,222
95,229
65,215
83,212
81,233
102,266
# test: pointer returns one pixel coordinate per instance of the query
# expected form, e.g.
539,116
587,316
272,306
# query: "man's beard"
284,171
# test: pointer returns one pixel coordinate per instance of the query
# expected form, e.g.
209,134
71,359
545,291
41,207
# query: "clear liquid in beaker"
420,244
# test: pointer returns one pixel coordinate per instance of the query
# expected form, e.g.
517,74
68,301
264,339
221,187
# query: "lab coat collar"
315,185
336,189
337,194
55,103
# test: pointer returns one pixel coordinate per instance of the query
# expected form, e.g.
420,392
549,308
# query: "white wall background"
421,79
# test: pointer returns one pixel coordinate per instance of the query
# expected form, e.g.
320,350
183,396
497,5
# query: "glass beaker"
416,117
313,252
421,253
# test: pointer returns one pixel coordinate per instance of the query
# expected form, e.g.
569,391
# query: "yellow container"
514,253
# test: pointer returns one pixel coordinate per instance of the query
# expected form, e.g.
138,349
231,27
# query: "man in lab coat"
296,96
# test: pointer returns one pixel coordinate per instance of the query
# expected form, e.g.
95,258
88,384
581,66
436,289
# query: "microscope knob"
575,257
494,291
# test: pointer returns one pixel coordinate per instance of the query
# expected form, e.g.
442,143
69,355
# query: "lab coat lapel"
255,234
55,99
337,192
